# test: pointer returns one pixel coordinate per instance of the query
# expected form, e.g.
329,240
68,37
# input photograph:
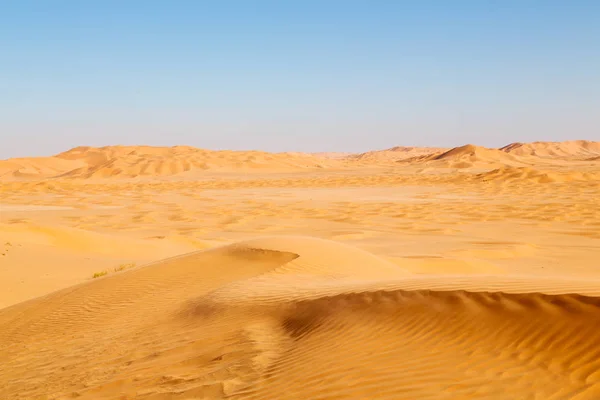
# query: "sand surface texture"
408,273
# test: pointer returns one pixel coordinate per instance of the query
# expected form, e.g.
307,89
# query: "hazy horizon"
259,149
345,76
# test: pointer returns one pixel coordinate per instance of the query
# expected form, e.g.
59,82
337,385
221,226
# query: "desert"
142,272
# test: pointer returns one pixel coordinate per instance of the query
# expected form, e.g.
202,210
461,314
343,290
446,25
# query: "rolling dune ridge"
185,161
147,161
254,320
571,149
394,154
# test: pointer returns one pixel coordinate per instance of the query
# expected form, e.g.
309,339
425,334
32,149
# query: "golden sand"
465,273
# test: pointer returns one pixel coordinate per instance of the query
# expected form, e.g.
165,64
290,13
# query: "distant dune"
37,167
186,161
148,161
394,154
301,318
469,156
570,149
333,155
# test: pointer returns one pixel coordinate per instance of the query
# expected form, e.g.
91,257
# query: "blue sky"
296,75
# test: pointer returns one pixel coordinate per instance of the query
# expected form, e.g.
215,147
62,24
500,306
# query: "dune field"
137,272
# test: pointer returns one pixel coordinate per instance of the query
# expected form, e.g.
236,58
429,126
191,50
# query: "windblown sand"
465,273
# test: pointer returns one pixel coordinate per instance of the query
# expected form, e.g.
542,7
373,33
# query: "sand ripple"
302,318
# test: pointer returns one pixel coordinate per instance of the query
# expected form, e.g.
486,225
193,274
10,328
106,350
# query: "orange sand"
466,273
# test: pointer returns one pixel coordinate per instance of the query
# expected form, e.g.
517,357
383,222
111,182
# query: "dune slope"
525,174
394,154
151,162
467,157
300,318
576,149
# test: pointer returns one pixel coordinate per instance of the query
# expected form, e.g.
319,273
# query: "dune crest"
299,318
473,156
148,161
186,162
393,154
577,149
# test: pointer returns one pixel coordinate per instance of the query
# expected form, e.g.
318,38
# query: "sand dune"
189,162
578,149
157,162
36,167
299,318
37,259
521,174
148,161
333,155
470,156
394,154
514,155
485,283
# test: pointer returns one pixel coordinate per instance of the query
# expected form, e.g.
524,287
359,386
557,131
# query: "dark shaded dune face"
302,318
408,345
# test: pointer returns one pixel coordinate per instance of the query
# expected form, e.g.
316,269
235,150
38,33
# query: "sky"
300,75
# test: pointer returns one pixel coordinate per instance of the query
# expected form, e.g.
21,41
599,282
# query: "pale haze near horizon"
312,76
